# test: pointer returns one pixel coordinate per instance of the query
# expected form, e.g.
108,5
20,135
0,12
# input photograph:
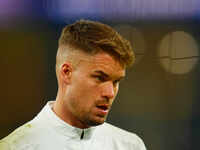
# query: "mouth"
103,109
103,106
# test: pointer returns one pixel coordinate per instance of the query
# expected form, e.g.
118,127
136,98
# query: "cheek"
87,92
116,90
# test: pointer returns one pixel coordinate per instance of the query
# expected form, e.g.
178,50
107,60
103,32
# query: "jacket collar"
52,121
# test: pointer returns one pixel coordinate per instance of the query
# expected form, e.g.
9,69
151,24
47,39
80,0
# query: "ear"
66,72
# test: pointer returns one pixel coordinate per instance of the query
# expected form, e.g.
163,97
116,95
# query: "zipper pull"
82,135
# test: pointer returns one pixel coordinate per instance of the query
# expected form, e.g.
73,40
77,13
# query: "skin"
94,82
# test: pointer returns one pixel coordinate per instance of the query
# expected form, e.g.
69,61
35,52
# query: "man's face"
92,88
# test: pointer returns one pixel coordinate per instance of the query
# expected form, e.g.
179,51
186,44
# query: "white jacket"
48,132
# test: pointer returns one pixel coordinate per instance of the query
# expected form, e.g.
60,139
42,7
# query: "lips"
103,109
103,106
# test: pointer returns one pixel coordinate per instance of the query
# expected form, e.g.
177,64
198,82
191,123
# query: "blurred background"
159,99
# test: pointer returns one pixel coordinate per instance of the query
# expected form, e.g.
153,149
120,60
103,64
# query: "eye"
100,78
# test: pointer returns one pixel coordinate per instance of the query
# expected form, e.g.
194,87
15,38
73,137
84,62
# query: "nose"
108,90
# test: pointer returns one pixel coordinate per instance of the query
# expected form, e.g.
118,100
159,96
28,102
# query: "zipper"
82,135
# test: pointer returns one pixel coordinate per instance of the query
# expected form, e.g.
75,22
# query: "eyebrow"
106,75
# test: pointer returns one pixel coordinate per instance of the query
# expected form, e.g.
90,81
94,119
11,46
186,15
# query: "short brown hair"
92,36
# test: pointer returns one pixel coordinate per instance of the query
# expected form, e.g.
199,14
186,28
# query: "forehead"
103,61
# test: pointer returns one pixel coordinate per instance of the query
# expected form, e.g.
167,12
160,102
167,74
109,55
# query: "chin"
95,122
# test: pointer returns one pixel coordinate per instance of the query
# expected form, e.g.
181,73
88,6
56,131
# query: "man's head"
91,60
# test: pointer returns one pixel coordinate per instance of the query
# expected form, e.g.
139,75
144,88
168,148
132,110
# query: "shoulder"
20,137
119,135
4,145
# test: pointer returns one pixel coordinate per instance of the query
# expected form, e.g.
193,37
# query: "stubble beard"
92,122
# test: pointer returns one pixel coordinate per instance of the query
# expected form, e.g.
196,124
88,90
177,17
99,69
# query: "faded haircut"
92,36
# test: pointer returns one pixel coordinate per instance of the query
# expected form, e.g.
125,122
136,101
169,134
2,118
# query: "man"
90,62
